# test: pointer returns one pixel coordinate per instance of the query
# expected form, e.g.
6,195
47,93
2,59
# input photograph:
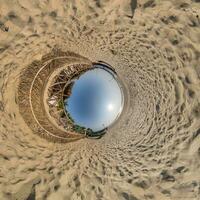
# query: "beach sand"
153,152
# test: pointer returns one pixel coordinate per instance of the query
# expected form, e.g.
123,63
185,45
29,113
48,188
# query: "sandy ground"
153,152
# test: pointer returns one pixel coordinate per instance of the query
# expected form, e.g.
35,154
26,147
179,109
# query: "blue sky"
96,99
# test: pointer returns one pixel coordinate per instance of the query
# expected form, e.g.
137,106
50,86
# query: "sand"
153,152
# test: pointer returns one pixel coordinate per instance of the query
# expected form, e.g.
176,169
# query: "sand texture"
153,152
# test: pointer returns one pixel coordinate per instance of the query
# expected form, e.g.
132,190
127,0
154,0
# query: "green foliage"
62,114
79,129
89,132
97,134
69,117
60,104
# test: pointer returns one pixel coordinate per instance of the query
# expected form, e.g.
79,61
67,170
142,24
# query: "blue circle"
96,99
